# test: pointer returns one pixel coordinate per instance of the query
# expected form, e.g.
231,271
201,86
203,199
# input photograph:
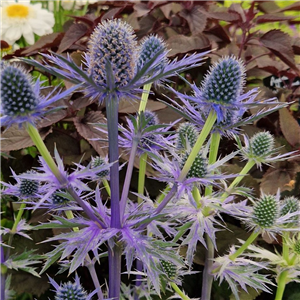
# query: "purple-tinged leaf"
280,44
195,18
273,18
74,33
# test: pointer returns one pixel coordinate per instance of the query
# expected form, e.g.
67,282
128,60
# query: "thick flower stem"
249,241
285,247
38,141
112,105
142,172
282,280
212,117
128,176
114,260
144,98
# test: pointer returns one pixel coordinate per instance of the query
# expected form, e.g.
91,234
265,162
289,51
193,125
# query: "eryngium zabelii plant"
148,233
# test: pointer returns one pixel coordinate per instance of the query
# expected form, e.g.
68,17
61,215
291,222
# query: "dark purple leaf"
236,8
74,33
296,46
195,18
223,16
293,7
280,44
273,18
112,13
220,33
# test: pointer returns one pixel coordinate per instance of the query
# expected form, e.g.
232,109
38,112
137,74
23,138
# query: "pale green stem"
199,143
106,185
196,196
161,197
210,251
36,138
179,292
142,172
282,281
249,241
238,179
285,247
145,96
18,218
212,158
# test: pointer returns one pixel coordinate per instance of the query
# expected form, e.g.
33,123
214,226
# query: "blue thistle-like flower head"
187,135
58,198
199,166
225,81
98,162
265,211
28,187
112,41
17,92
150,46
71,291
261,144
21,100
290,205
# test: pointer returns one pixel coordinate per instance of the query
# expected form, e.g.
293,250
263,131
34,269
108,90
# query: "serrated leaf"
273,18
289,127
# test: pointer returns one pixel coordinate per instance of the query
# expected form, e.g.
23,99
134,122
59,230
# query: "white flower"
70,4
24,19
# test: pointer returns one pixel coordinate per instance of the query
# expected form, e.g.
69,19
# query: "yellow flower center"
17,11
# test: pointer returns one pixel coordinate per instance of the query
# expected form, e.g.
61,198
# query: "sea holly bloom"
264,215
260,149
21,18
21,98
151,135
222,92
110,65
71,290
186,137
99,161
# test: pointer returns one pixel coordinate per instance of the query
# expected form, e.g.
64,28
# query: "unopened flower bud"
265,211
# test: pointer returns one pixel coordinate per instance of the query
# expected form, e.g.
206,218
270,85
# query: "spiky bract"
70,291
97,162
290,205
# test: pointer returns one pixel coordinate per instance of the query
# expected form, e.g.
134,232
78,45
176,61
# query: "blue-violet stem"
112,105
128,176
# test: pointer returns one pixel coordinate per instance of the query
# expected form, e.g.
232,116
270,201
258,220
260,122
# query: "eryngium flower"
21,100
28,187
199,166
98,162
290,205
71,291
260,149
150,46
187,135
111,64
112,41
265,211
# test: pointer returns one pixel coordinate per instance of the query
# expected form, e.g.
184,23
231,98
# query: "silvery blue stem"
2,273
129,170
112,105
115,253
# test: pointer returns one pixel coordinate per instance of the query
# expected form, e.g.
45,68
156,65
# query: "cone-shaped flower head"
21,100
187,135
17,92
169,269
98,162
265,211
28,187
113,41
199,166
225,81
150,46
261,144
58,199
290,205
70,291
